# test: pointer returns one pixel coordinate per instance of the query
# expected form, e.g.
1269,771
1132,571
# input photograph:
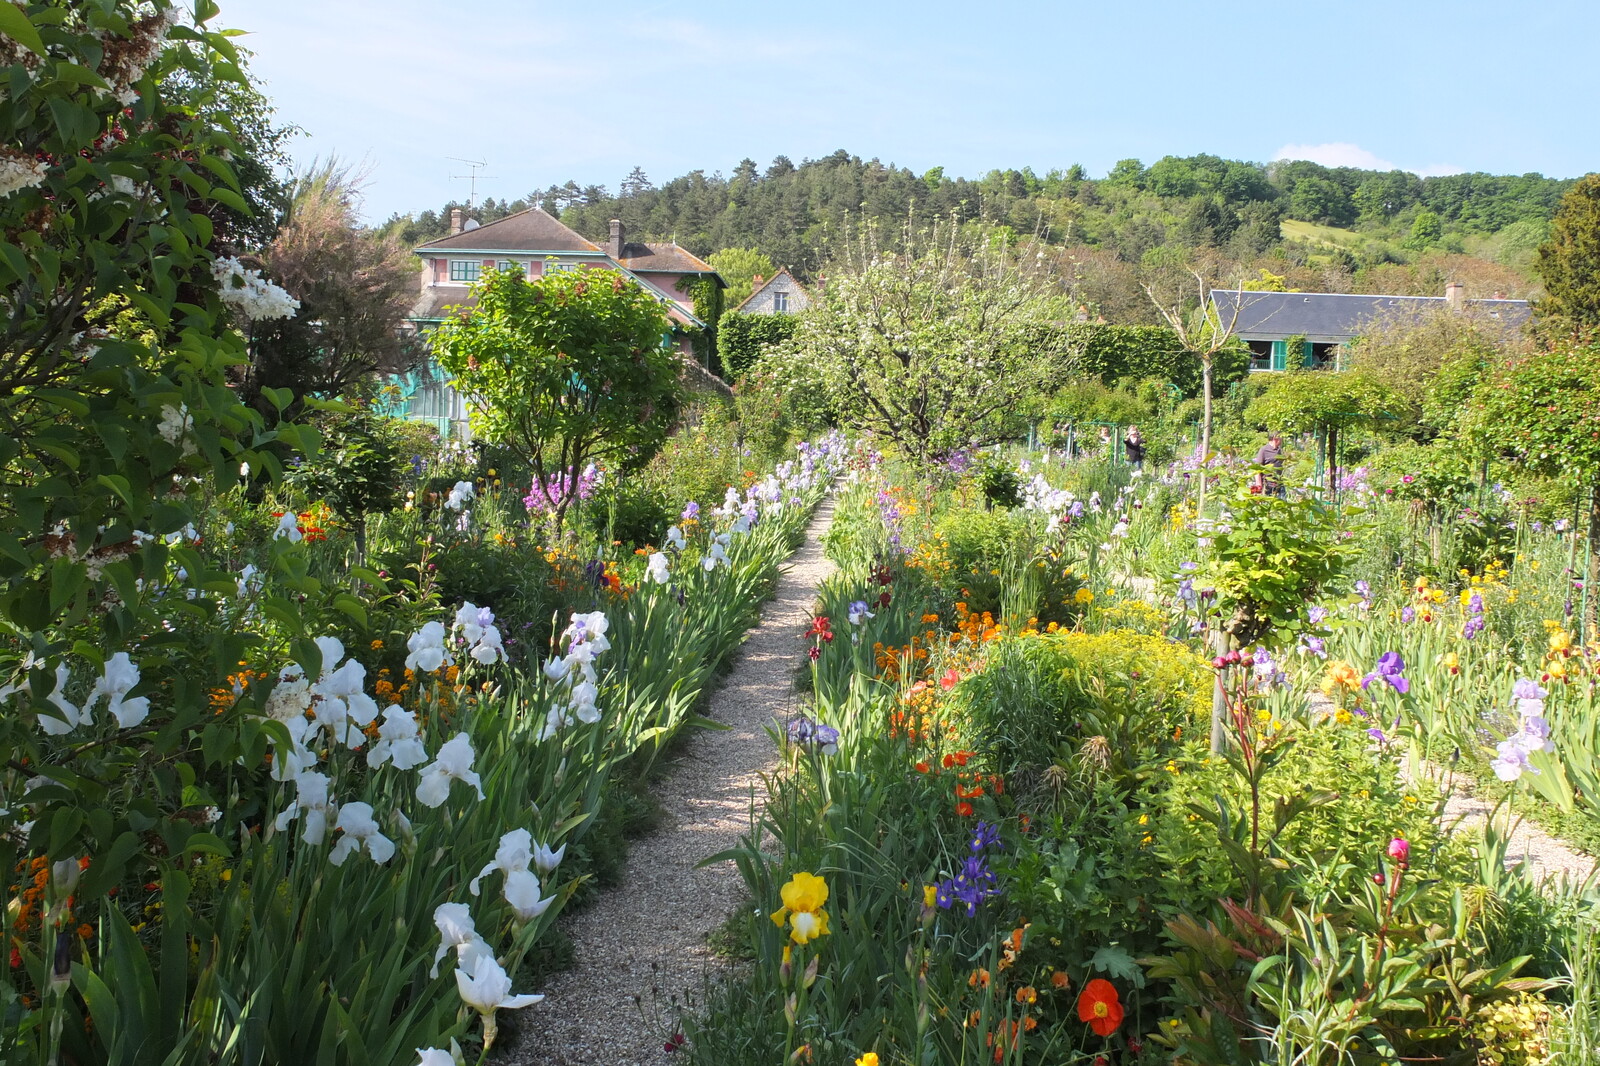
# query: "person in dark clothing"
1133,447
1270,456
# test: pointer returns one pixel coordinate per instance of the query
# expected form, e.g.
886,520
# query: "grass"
1294,229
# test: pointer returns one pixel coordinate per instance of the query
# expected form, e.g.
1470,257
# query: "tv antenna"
475,165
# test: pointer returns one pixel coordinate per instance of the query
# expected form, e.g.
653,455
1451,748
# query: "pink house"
535,243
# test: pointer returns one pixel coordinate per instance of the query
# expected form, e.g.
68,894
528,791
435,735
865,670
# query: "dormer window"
780,301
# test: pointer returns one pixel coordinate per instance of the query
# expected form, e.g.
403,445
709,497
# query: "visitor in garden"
1105,442
1269,481
1133,446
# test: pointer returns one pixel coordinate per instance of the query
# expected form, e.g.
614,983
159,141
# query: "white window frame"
780,300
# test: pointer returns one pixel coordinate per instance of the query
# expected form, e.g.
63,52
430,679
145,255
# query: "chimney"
455,221
1455,295
614,245
757,281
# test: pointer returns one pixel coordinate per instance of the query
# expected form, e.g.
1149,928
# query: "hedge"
741,339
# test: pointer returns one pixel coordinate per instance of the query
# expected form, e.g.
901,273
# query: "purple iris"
1407,614
1390,669
1317,615
691,511
1315,645
985,835
1473,627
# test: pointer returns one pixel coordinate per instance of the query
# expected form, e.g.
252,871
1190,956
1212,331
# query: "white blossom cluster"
1040,495
248,293
19,171
577,683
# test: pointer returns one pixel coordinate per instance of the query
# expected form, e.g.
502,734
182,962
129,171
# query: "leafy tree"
931,345
739,267
116,421
1426,358
354,287
1318,199
1542,411
1426,231
1569,263
564,370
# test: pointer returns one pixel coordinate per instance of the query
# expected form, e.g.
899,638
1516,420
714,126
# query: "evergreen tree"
1569,263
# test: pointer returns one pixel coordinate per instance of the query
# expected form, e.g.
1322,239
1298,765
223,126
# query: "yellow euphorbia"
803,898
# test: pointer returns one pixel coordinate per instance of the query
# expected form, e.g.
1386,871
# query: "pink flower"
1400,849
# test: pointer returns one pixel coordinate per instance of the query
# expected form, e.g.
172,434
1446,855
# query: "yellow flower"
1340,675
869,1059
1083,596
930,894
803,898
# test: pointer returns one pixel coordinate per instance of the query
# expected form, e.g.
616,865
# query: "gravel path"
1546,856
642,947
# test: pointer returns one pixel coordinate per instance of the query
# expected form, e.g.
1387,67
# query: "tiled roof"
526,231
1334,316
663,257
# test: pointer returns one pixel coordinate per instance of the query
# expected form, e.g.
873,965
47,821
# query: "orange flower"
979,979
923,767
1027,994
964,809
1059,979
1099,1006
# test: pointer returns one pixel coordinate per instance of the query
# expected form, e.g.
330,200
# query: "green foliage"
1090,703
739,267
743,339
567,369
1569,263
363,466
629,511
999,482
1267,563
1311,400
1542,411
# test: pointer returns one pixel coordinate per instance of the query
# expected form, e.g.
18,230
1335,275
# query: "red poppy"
1098,1005
964,809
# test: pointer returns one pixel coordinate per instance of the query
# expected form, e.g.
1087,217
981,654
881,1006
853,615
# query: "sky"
545,92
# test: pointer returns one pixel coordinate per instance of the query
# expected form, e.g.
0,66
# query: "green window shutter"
1280,355
1307,359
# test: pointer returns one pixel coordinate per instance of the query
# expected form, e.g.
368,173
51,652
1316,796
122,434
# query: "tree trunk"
1205,433
1220,641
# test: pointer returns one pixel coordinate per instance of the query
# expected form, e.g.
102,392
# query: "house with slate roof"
536,244
780,294
1323,321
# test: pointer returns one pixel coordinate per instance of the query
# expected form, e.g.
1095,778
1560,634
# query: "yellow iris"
869,1059
803,898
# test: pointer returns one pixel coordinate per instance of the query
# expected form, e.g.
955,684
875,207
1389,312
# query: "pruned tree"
1180,289
933,343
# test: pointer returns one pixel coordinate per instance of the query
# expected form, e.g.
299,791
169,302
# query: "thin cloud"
1345,154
